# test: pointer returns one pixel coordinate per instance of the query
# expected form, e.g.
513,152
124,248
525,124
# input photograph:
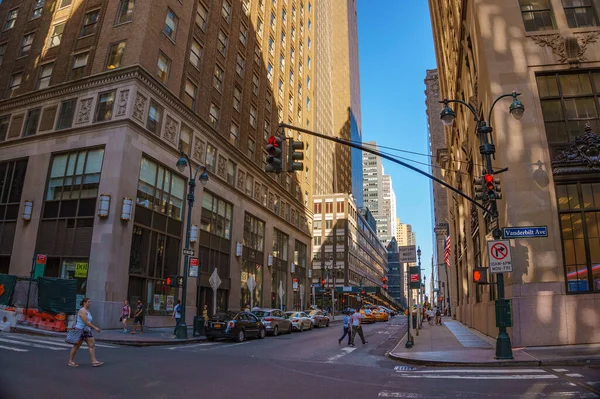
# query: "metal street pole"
184,160
409,339
487,149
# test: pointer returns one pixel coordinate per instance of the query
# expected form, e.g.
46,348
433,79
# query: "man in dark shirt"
138,317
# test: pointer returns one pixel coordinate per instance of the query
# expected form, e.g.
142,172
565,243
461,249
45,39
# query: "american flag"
447,250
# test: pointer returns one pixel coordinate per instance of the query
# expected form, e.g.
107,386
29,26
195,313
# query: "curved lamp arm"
446,102
514,94
189,162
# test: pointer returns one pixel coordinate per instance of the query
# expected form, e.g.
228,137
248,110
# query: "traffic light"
322,283
296,154
362,292
480,275
172,281
180,281
478,185
275,158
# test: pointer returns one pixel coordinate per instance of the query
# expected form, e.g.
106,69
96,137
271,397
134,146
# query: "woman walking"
125,313
83,328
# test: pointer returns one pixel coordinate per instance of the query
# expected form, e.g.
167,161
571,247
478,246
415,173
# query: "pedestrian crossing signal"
480,275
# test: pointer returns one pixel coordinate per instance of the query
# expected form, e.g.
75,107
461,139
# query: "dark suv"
238,326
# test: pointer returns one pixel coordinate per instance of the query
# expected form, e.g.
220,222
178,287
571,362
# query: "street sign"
189,252
295,284
525,232
315,285
41,259
251,283
214,280
194,264
407,254
499,256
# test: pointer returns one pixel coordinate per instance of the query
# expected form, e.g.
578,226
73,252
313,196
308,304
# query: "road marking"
345,351
485,377
560,370
387,394
13,349
483,371
41,341
576,375
192,346
12,341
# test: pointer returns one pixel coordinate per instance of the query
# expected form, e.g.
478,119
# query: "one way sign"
499,256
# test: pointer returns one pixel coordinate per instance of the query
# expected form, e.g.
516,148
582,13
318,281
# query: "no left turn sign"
499,256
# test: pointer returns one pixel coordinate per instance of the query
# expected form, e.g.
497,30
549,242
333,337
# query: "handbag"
74,334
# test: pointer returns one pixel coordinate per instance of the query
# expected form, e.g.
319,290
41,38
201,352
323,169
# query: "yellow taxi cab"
367,316
381,315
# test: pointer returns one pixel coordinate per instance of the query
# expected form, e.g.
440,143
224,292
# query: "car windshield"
313,313
290,314
260,313
222,316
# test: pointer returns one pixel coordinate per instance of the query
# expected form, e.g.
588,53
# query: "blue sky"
395,49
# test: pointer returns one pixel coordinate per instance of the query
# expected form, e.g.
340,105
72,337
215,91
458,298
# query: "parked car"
274,320
367,316
318,317
381,315
231,325
300,321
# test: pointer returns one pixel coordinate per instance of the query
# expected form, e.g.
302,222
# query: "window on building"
11,18
269,101
196,54
26,44
90,21
307,103
56,35
73,176
318,207
234,134
257,55
271,45
163,65
240,65
246,7
254,233
216,215
267,129
65,116
155,115
189,97
45,75
340,207
329,207
211,157
569,102
253,115
270,72
160,190
308,43
243,34
171,21
222,43
308,83
65,3
280,88
213,116
125,12
580,13
260,25
15,83
226,11
31,122
537,15
2,52
185,138
272,21
283,38
79,64
38,7
579,211
280,245
281,62
249,185
115,55
201,16
317,240
251,149
105,105
237,99
4,122
255,83
218,77
231,172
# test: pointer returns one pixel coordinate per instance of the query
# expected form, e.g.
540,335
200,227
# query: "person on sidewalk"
5,325
346,329
125,313
438,317
84,327
138,317
357,327
177,315
205,315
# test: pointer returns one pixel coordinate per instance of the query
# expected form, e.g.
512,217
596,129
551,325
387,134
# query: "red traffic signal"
385,287
480,275
168,281
362,292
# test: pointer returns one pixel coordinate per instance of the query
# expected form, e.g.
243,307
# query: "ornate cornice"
582,155
568,49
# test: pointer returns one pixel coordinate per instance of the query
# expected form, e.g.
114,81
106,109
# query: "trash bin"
198,326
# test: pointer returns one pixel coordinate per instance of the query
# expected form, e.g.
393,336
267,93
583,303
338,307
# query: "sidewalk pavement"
454,344
150,337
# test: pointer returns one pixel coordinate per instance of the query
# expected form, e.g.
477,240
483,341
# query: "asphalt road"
308,364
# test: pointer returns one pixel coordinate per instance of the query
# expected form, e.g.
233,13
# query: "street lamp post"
418,298
487,149
182,163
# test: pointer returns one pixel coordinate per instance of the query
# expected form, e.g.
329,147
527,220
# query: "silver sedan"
274,320
300,321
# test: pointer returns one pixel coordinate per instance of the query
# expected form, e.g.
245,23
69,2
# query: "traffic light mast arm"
389,158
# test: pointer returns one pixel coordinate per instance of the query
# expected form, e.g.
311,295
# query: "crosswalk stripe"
483,377
41,341
12,341
483,371
10,348
52,341
192,346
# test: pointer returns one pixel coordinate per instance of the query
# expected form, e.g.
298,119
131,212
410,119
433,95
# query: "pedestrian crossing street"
25,343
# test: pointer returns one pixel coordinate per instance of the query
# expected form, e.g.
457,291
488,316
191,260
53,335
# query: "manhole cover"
405,368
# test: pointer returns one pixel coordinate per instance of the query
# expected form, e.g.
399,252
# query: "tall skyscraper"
97,99
549,52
